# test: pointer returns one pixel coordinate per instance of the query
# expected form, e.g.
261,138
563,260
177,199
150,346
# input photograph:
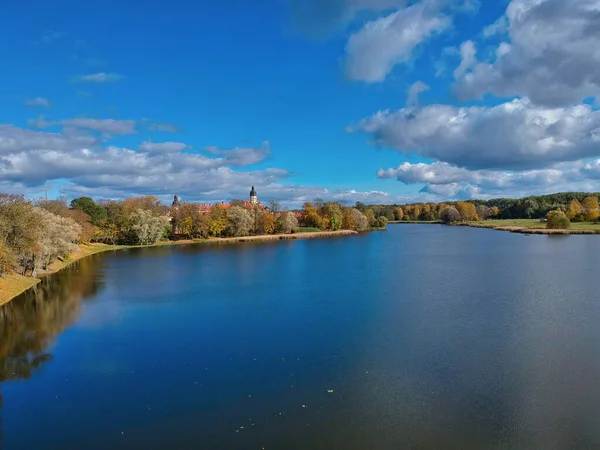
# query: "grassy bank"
12,285
534,226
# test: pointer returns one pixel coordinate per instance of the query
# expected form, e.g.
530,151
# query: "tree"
88,231
381,222
286,222
557,220
467,211
450,215
147,202
217,221
20,231
355,220
311,217
574,211
333,213
58,238
484,212
146,228
591,210
266,222
96,212
398,214
58,207
240,221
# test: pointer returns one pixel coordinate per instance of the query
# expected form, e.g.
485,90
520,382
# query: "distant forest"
574,204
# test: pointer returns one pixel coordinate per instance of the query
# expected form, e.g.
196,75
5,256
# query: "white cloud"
162,147
31,159
381,44
468,59
413,92
552,55
105,126
37,101
101,77
499,27
512,136
243,156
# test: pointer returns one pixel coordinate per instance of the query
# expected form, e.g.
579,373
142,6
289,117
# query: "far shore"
12,285
523,226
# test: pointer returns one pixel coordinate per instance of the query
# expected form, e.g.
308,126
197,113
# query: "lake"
422,336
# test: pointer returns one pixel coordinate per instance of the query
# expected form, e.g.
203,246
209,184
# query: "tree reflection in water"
29,324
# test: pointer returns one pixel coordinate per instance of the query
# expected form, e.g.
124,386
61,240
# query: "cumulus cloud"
99,78
162,147
243,156
447,180
413,92
37,101
512,136
381,44
552,54
31,159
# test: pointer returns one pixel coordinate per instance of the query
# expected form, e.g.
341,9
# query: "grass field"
532,224
306,230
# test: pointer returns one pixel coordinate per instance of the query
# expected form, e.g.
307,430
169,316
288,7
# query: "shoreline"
525,230
13,285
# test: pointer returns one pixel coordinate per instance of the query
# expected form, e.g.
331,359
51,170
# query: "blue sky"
303,99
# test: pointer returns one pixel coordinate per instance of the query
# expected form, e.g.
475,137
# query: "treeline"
578,206
35,233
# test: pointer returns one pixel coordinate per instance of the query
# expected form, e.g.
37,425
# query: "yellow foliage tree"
467,211
591,210
574,210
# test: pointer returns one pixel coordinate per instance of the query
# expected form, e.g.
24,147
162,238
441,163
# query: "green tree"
557,220
96,212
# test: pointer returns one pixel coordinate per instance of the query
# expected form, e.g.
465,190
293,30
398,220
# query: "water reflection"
29,324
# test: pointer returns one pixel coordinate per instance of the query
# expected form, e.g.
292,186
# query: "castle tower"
175,203
253,196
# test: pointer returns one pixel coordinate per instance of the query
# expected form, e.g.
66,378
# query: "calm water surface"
428,336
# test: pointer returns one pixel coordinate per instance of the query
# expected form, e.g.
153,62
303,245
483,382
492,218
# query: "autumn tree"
217,221
450,215
355,220
591,210
311,217
574,211
557,220
398,213
467,211
265,222
483,212
332,212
